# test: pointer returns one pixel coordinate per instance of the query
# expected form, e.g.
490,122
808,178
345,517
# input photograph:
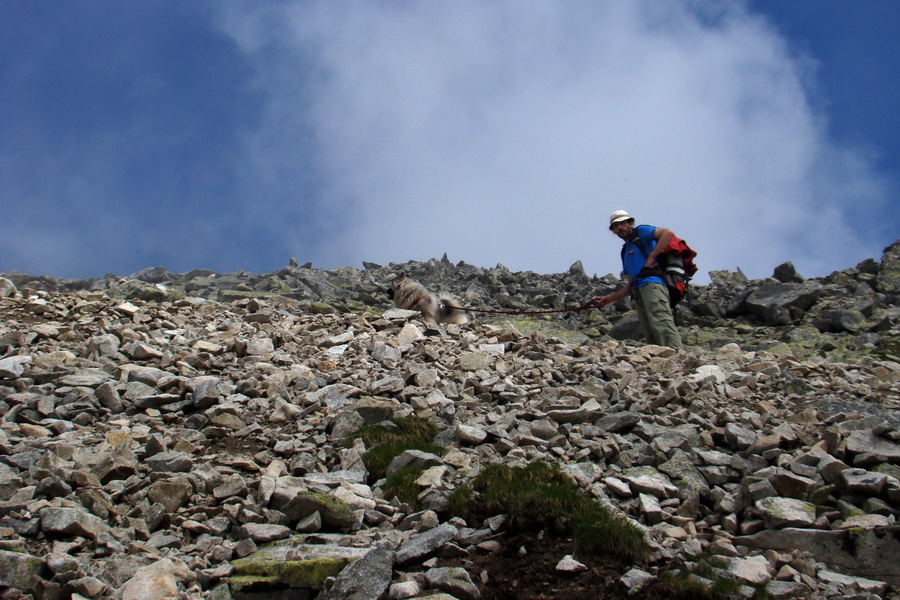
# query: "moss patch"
402,484
539,497
302,567
386,442
550,326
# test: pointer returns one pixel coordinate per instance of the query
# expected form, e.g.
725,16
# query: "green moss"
459,502
532,497
379,458
310,573
708,337
417,428
822,494
334,511
299,567
402,484
386,442
540,497
19,570
321,308
888,348
597,531
550,326
704,580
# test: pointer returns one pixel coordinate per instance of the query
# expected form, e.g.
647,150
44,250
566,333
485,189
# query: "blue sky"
233,135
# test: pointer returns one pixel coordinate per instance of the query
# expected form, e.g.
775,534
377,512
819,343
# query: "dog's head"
395,284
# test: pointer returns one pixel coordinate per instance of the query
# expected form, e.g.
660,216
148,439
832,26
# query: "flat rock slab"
304,566
870,553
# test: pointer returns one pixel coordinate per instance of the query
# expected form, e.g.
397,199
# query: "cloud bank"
499,134
235,135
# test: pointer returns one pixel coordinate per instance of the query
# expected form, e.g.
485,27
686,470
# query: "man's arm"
615,296
663,236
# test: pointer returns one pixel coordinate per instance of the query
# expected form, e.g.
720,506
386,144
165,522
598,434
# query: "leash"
587,306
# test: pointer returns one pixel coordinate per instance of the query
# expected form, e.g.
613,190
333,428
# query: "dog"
412,295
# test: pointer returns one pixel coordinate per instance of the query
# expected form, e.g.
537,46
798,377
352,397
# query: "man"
651,296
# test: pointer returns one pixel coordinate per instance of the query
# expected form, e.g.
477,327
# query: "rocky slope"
168,436
851,312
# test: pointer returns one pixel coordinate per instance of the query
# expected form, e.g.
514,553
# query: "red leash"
587,306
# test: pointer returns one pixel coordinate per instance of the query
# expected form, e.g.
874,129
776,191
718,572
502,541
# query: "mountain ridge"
852,310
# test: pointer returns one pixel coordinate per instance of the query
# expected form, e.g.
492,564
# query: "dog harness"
416,301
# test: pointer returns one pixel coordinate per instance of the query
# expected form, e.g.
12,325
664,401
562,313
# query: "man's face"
623,229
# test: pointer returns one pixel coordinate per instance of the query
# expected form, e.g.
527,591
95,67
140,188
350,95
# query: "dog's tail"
448,313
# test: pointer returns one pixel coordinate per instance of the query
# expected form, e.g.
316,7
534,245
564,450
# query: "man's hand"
600,301
651,262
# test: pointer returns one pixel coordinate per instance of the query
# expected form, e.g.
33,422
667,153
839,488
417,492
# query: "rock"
7,288
569,565
158,581
170,493
425,543
888,279
207,429
618,422
860,481
366,578
263,533
296,567
753,569
635,580
786,512
70,521
454,581
470,435
786,589
864,553
777,303
19,570
739,438
650,481
787,273
404,589
333,511
424,460
170,462
13,367
875,448
867,585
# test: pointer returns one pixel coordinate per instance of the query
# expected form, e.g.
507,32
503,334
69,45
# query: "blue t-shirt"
633,260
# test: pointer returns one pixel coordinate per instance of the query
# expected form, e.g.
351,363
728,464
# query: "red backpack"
675,266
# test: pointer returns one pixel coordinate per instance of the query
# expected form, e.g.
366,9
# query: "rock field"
193,445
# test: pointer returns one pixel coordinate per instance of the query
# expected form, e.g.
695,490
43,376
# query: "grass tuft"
386,442
704,580
402,484
459,502
538,497
378,459
409,428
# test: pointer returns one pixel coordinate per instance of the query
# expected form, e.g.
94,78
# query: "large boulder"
777,303
862,552
888,279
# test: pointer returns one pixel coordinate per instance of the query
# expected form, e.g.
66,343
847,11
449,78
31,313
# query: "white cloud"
503,132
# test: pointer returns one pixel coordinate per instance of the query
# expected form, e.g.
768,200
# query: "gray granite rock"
203,429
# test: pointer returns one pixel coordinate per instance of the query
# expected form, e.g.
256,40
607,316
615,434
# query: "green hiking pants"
655,315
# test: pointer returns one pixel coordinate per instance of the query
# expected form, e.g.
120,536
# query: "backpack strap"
656,271
637,242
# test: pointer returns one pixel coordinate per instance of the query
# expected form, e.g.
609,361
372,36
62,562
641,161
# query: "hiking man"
651,296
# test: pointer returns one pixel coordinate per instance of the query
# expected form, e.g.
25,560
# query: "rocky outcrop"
849,312
179,445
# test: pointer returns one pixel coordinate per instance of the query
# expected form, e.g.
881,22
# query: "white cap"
619,215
